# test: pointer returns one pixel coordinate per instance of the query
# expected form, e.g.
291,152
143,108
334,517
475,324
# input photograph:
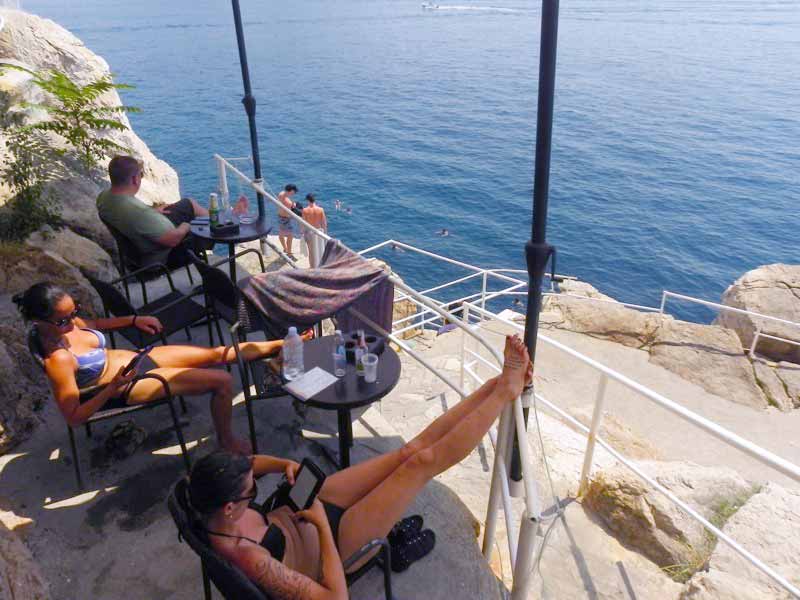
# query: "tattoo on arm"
281,582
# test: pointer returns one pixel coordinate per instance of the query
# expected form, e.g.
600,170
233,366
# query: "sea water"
676,144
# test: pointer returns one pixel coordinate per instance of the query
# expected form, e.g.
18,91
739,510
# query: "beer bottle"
213,211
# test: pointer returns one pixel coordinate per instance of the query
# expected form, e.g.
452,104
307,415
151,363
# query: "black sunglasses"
250,497
66,320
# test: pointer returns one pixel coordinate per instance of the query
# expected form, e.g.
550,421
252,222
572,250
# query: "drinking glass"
370,362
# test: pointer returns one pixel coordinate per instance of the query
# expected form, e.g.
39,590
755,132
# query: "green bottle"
213,211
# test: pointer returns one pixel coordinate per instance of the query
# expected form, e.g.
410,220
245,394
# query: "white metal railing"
761,318
728,437
526,549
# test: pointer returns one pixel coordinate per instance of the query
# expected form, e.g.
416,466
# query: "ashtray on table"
225,228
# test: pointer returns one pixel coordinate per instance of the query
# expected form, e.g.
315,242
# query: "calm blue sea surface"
676,159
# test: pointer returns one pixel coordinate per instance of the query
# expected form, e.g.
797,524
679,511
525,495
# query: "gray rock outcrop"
645,520
772,290
711,357
80,252
780,382
603,319
768,525
40,44
20,576
57,256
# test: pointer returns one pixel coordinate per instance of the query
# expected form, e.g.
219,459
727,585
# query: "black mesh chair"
175,310
221,293
118,407
228,579
132,261
265,384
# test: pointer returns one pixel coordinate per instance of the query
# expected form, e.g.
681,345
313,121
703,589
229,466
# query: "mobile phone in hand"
136,360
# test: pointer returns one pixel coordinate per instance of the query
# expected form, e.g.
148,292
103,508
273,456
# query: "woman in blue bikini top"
76,356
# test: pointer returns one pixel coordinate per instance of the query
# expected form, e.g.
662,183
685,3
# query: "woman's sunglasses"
250,497
66,320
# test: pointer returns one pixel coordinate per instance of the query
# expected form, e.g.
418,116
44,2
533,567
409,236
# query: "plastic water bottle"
292,355
338,342
340,360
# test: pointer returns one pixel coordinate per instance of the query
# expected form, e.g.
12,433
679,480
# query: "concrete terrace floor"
117,540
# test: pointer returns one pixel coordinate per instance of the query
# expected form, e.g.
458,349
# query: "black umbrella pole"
249,101
537,250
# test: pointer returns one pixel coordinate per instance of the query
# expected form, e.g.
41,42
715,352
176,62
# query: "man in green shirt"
159,234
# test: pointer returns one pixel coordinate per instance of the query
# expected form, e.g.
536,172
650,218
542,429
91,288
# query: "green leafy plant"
77,114
30,168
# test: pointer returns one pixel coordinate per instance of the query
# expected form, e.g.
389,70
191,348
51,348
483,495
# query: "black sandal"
415,548
404,530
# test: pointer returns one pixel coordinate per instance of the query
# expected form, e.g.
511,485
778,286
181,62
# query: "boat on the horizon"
429,6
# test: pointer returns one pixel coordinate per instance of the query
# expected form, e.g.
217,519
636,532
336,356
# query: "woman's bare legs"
375,514
348,486
192,382
199,357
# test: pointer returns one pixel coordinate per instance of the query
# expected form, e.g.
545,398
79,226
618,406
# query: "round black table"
247,233
350,391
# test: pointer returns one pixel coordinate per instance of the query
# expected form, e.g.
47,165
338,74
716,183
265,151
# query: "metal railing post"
597,417
755,341
483,292
663,302
526,558
465,318
223,181
490,530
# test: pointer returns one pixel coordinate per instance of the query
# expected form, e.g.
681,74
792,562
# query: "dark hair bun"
39,300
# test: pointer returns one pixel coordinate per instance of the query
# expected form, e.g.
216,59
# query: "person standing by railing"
314,215
285,231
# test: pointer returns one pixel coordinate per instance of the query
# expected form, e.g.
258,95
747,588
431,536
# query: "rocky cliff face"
713,356
84,243
37,44
40,44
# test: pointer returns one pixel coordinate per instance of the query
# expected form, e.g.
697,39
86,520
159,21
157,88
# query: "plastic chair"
228,579
121,410
175,310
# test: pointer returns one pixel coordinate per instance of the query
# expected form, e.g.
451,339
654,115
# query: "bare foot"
237,446
516,366
242,206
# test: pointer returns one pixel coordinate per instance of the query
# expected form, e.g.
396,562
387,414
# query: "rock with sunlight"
644,520
40,44
768,525
772,290
709,356
20,576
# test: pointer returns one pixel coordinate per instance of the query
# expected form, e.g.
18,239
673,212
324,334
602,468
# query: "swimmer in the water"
517,302
337,205
348,210
444,233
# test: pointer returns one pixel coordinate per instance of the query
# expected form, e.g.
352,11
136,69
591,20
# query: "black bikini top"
273,541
